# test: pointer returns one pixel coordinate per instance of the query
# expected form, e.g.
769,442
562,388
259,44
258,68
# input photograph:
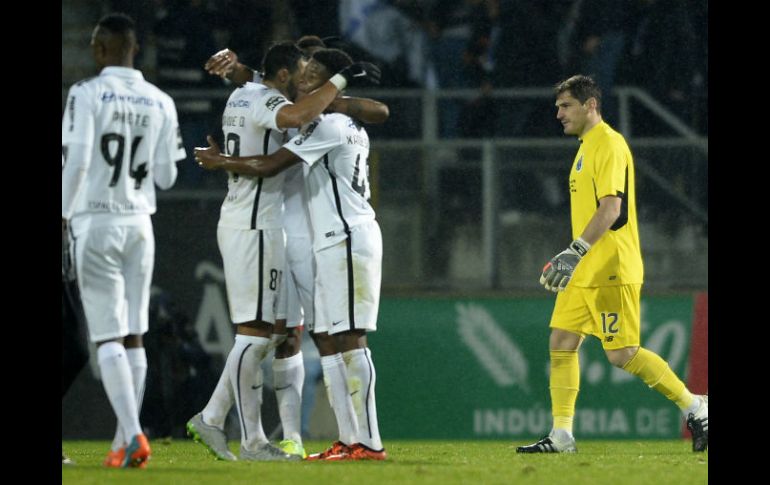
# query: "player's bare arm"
365,110
557,273
211,158
306,109
604,217
225,65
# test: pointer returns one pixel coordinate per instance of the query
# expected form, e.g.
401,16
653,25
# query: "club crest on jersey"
579,165
274,102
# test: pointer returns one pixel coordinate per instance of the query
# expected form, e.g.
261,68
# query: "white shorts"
253,263
114,268
298,281
347,283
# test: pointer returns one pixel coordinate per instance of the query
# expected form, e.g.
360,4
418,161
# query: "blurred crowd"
659,45
483,45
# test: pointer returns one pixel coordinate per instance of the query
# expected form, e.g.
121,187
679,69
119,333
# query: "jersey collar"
120,71
593,132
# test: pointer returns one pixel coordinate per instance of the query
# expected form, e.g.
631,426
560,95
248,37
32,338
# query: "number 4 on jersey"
360,188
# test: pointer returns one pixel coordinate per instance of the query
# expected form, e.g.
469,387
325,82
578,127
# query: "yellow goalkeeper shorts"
610,313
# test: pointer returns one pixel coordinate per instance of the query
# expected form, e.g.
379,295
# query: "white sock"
222,399
117,382
696,403
561,435
288,377
336,382
137,360
361,380
246,380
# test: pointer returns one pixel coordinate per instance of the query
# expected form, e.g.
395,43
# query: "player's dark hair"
278,56
117,23
581,88
334,60
309,43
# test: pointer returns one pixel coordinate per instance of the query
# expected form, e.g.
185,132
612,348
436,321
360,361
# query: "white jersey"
296,219
249,127
337,149
126,127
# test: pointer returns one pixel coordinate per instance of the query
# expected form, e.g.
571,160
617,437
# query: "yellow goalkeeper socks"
656,373
565,384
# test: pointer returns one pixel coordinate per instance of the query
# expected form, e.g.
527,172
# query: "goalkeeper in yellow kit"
599,276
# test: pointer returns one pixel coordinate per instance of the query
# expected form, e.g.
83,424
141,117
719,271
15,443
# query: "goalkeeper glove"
558,271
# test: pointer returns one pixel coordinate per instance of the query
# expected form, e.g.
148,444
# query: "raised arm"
365,110
211,158
306,109
225,65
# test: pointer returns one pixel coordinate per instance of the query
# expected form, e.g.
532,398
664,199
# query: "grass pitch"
423,462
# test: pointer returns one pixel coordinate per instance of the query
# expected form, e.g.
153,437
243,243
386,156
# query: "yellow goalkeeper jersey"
603,166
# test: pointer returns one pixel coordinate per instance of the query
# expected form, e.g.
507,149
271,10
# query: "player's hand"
209,157
558,272
222,63
361,74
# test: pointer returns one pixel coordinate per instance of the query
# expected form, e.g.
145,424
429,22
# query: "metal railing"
492,235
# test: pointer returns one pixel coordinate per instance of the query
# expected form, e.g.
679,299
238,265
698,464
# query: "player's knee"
255,329
133,341
325,343
620,357
102,342
351,340
564,340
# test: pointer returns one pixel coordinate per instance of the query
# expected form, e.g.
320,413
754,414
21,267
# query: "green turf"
439,462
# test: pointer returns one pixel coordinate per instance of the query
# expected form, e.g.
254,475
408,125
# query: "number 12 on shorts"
609,322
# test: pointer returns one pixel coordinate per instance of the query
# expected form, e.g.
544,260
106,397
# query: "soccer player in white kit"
299,274
120,136
347,244
251,241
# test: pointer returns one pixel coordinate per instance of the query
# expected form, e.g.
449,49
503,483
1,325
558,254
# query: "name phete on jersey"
358,140
233,120
130,118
